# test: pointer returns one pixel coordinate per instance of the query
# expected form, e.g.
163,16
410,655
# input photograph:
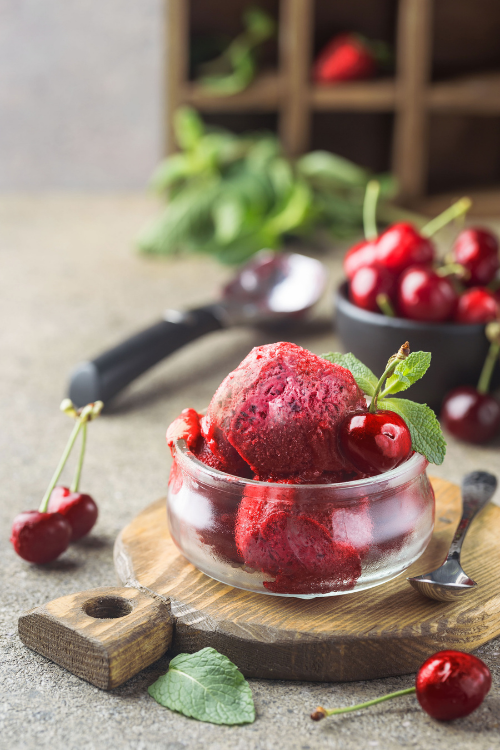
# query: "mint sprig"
362,374
206,686
402,371
426,435
407,372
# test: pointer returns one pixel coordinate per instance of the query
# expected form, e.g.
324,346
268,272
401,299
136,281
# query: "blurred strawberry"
347,57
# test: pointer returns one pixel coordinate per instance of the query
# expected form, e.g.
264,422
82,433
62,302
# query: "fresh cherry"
477,305
362,255
347,57
469,413
374,443
471,416
451,684
79,510
40,537
402,246
425,295
370,282
477,250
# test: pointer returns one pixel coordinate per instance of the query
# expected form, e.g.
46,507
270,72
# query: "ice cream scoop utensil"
271,287
449,581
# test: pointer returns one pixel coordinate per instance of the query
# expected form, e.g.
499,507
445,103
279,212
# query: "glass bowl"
299,540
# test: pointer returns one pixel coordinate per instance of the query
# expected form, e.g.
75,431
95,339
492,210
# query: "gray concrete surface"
70,286
81,93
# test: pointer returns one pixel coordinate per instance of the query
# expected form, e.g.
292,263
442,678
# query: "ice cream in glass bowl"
262,496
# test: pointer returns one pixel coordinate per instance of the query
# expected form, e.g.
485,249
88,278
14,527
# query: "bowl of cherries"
397,289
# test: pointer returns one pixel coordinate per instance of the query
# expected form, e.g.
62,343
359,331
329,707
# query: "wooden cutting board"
107,635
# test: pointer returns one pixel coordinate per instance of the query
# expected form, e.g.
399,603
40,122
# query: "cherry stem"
483,385
76,479
45,502
385,306
402,354
453,212
370,210
453,268
321,713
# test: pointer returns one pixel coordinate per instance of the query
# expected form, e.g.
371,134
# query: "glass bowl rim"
416,464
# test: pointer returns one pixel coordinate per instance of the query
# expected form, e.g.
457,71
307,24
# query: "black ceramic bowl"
458,351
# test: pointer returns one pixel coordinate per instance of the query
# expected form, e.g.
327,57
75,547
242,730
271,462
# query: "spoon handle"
477,489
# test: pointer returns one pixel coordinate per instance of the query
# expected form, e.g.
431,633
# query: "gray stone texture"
71,286
81,93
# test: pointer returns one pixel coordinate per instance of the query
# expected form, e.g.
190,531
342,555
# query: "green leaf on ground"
362,374
206,686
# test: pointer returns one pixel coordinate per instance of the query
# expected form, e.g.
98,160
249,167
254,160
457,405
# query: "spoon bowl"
450,581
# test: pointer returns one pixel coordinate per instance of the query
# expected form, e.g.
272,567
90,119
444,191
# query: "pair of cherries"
65,515
449,685
396,270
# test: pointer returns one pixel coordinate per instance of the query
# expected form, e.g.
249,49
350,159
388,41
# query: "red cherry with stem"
376,440
369,283
40,537
425,295
79,509
469,413
362,255
451,684
477,305
477,250
374,443
402,246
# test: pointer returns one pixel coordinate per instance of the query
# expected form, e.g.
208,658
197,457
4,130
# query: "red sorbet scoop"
275,535
280,410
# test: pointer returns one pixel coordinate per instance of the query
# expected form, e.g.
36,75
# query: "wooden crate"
435,122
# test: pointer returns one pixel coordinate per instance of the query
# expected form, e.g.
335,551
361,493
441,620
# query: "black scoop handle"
104,377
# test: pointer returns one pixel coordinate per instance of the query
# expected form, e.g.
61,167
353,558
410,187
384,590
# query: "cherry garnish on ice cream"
477,250
449,685
41,536
472,414
477,305
377,440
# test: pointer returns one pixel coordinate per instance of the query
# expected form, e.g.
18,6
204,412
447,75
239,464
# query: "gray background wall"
81,93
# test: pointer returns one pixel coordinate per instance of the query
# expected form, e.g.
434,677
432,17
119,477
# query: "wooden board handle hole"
107,607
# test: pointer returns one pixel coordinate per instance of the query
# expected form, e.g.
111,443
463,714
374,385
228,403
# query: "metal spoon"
271,287
449,581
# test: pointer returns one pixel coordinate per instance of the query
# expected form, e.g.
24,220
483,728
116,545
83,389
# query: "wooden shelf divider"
290,92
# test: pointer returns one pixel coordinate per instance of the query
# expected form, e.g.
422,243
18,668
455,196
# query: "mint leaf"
205,686
426,435
408,372
362,374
